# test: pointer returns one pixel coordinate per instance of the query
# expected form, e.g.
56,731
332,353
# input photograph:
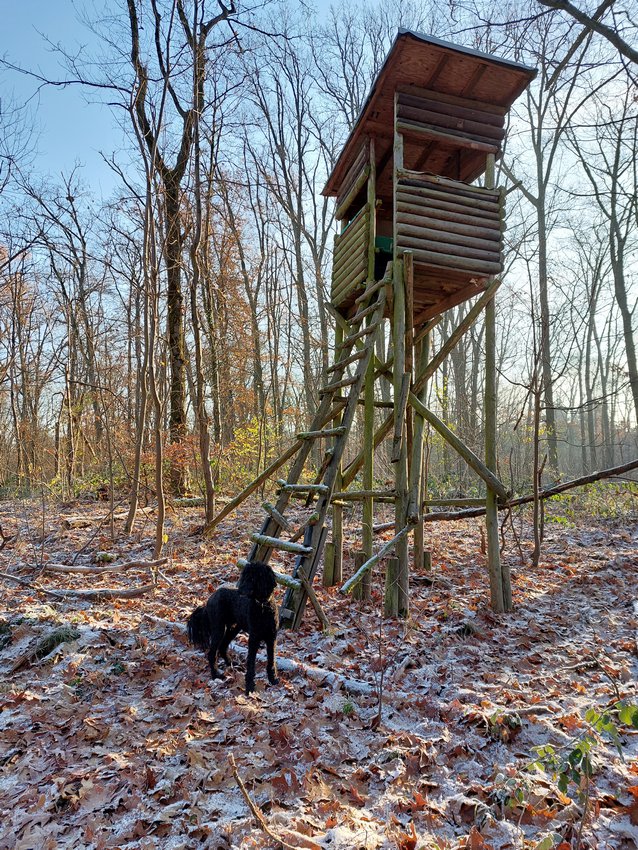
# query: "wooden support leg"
391,600
328,565
337,510
368,420
363,590
401,466
500,587
417,469
491,516
421,379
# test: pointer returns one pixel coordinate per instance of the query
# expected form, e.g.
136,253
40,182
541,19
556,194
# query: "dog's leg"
253,646
216,637
231,634
271,669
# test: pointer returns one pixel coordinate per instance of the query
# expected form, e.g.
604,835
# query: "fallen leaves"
117,737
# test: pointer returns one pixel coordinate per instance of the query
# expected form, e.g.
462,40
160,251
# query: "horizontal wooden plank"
409,241
356,233
444,237
478,130
436,216
444,184
356,273
441,209
449,139
453,110
454,100
422,188
344,203
437,258
428,222
346,290
422,201
355,260
360,161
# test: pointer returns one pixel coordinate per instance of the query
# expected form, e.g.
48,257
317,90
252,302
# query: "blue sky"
69,126
68,129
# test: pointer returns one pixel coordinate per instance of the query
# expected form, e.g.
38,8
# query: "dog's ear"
246,580
257,580
265,581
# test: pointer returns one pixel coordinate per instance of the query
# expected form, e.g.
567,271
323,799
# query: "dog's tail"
198,626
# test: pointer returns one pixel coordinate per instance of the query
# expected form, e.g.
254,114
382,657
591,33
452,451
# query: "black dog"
248,608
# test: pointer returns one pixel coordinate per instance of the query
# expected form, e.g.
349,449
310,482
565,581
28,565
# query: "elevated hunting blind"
404,178
417,238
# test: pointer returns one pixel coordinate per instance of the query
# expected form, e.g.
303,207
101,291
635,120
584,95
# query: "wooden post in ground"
336,555
417,482
363,590
328,565
398,371
420,380
368,410
500,591
391,599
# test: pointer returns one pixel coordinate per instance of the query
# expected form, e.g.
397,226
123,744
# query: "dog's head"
257,580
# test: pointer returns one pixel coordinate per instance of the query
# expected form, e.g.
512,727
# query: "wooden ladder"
357,348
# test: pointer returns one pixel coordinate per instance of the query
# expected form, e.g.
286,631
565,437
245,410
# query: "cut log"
455,241
104,593
469,127
449,139
284,545
411,237
344,205
481,268
429,214
347,586
90,521
107,568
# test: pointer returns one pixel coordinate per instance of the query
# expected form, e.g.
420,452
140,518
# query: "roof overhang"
430,63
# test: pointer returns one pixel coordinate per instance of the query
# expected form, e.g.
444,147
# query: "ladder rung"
274,514
317,435
363,313
302,488
341,364
363,332
370,290
284,545
313,519
337,385
359,495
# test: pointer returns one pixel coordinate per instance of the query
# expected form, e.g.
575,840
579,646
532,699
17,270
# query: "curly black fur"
248,608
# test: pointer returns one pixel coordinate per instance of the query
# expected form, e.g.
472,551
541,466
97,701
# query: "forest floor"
116,738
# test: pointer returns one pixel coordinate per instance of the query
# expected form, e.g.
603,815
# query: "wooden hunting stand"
416,239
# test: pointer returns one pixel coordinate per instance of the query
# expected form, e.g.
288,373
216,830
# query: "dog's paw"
217,674
274,680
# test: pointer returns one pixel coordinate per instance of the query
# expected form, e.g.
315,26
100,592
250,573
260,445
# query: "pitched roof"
439,66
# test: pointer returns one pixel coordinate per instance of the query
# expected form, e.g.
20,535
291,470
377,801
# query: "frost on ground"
112,735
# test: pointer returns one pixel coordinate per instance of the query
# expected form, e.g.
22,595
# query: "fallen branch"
261,820
326,678
88,521
33,586
106,592
312,596
547,493
127,565
347,586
